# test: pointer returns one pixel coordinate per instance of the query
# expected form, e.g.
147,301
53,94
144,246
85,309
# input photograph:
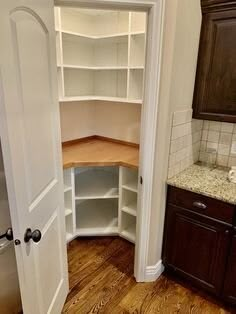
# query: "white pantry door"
30,134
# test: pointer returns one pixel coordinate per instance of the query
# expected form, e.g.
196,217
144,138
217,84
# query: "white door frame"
155,11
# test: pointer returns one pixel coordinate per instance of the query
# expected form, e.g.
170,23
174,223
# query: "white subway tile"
224,149
205,125
227,127
214,126
222,160
232,161
203,146
213,136
204,135
225,138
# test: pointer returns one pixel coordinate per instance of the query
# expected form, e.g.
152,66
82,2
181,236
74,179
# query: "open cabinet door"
30,134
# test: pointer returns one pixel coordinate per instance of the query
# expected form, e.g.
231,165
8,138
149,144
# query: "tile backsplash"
196,140
185,141
218,143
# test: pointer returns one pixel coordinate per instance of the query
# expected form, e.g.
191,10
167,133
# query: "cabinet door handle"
199,205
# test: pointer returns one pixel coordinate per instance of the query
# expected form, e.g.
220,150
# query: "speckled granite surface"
208,181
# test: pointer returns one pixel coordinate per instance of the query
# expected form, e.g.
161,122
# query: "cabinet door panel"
230,278
215,87
196,247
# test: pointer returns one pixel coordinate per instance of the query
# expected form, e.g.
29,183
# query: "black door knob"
8,235
34,235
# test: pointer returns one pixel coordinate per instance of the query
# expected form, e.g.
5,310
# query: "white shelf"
131,186
100,98
68,211
128,227
69,66
98,37
136,83
83,67
69,236
101,55
129,233
97,231
97,217
67,188
105,199
130,209
137,50
95,183
101,37
101,83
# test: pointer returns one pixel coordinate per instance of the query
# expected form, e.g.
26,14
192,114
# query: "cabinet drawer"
201,204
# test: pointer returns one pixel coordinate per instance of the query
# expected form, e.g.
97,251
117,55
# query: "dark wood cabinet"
196,247
198,242
215,85
229,291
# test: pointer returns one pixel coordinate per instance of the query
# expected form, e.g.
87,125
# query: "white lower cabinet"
100,201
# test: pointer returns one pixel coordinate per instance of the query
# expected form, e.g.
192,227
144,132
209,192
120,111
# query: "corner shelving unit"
128,185
100,54
96,183
69,204
101,201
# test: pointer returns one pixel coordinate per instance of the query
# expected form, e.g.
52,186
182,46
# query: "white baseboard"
154,272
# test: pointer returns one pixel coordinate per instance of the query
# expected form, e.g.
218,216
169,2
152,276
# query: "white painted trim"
148,136
154,272
155,11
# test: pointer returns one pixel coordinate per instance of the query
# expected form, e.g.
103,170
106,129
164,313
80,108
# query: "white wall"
117,120
180,48
76,120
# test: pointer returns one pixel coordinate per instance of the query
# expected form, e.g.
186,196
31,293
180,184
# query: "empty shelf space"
131,186
68,200
96,183
100,54
97,217
129,234
109,52
67,188
68,211
67,179
136,84
69,225
130,209
94,23
129,202
69,237
129,179
128,227
137,50
105,83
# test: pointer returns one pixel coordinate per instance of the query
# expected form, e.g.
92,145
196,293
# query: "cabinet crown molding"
217,5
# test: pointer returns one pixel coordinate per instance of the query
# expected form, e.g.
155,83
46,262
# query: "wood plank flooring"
101,281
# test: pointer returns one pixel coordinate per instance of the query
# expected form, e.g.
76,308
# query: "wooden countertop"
98,151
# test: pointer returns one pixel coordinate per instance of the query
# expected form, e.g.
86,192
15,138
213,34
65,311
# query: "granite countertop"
212,182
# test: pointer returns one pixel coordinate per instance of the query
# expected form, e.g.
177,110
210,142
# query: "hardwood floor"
101,281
